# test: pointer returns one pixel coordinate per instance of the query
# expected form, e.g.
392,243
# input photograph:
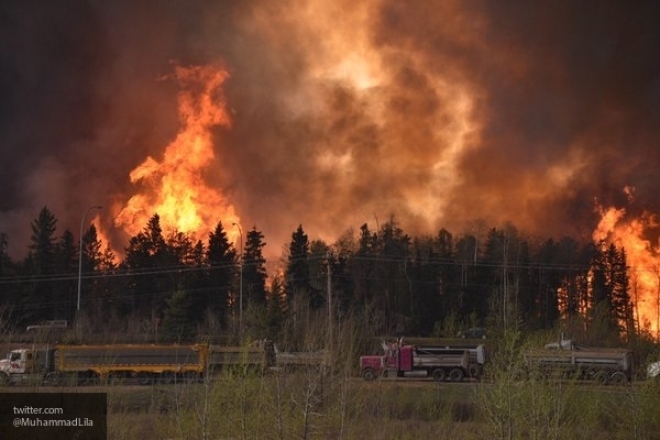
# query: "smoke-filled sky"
341,112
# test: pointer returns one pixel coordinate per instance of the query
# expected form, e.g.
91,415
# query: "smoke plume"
438,112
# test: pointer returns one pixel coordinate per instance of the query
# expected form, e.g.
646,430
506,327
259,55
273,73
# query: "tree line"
391,282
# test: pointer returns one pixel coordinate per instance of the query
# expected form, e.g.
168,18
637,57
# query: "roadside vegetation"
332,402
309,405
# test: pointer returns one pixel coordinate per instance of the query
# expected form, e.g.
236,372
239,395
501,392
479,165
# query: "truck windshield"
14,356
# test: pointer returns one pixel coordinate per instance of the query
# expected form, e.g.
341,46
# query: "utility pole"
240,288
329,300
80,258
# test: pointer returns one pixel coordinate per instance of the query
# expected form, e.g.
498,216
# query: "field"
308,405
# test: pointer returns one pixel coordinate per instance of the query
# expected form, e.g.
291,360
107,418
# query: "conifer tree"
621,300
297,269
146,261
277,310
178,319
426,307
5,261
92,288
392,278
39,298
65,293
472,298
221,259
317,262
298,275
446,279
254,269
8,269
363,266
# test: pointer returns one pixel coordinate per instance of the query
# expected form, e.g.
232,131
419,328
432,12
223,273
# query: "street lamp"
240,289
80,254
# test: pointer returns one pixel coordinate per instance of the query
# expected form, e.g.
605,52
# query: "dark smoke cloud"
446,111
571,81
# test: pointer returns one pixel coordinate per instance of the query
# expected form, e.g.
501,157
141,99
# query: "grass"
306,405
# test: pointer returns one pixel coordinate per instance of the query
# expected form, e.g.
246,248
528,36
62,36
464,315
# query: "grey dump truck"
566,359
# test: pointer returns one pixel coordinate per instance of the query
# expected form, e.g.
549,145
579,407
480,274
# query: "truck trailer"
566,359
439,362
76,364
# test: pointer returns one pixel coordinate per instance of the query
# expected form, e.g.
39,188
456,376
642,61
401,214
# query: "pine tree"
39,299
392,277
254,269
90,266
43,242
178,320
547,278
146,261
446,279
363,264
297,269
221,259
185,260
619,283
504,256
5,261
11,290
302,282
474,280
107,285
277,310
65,293
426,279
317,262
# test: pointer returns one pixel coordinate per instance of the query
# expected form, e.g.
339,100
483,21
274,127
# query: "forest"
172,288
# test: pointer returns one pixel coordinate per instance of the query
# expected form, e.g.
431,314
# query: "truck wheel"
368,374
439,375
166,378
191,376
618,378
53,379
145,378
456,375
90,378
601,378
4,379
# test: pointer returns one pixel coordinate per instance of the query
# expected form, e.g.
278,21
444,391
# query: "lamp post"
240,283
80,255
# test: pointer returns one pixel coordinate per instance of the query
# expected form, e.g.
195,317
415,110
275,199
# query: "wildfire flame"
642,256
175,188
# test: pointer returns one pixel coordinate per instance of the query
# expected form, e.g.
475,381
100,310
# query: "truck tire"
369,374
166,378
47,380
145,378
456,375
89,378
5,380
439,375
56,379
618,378
601,377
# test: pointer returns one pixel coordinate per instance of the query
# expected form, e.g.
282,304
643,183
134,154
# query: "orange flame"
174,188
643,260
